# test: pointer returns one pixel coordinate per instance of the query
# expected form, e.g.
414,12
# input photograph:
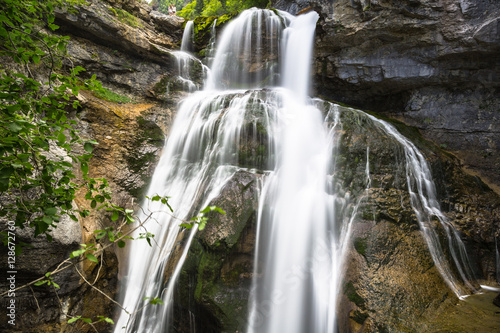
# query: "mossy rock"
203,28
215,279
143,154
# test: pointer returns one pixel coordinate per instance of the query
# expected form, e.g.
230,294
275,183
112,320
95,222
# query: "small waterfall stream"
305,215
187,37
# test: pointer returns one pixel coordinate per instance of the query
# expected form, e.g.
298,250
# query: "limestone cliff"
128,47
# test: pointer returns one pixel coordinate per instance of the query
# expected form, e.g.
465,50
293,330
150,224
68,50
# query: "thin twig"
59,268
100,291
99,270
34,296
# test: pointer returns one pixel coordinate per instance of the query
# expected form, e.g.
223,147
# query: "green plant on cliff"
218,7
125,17
38,150
43,159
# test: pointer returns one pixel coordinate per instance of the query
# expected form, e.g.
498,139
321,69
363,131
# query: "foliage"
162,5
37,150
189,11
218,7
109,95
201,220
40,146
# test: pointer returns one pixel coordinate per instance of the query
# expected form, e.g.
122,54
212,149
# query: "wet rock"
391,282
496,300
118,29
214,285
379,55
169,24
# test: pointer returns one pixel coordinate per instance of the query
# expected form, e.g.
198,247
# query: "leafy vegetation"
38,147
208,7
111,96
43,159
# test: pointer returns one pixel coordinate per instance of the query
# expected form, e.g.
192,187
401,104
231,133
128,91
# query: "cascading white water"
187,37
305,217
198,159
244,59
210,50
425,205
186,63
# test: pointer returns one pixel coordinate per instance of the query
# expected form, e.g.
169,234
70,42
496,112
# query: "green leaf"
121,243
61,138
109,320
72,320
186,225
155,300
87,320
88,147
53,27
100,234
14,127
91,257
77,253
115,215
50,211
202,225
93,204
212,209
85,168
39,283
47,220
36,59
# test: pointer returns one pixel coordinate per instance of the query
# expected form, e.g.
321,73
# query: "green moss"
353,296
368,215
359,316
125,17
226,17
112,11
161,87
203,29
108,95
360,245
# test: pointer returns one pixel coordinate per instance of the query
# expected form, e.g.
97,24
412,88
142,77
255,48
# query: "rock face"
391,283
215,281
131,56
431,63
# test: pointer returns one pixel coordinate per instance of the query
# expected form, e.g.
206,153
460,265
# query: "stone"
220,262
496,300
379,55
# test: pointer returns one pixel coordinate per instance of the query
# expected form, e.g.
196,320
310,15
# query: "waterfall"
210,51
187,37
305,215
247,54
425,205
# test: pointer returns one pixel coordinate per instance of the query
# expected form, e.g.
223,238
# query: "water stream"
305,216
